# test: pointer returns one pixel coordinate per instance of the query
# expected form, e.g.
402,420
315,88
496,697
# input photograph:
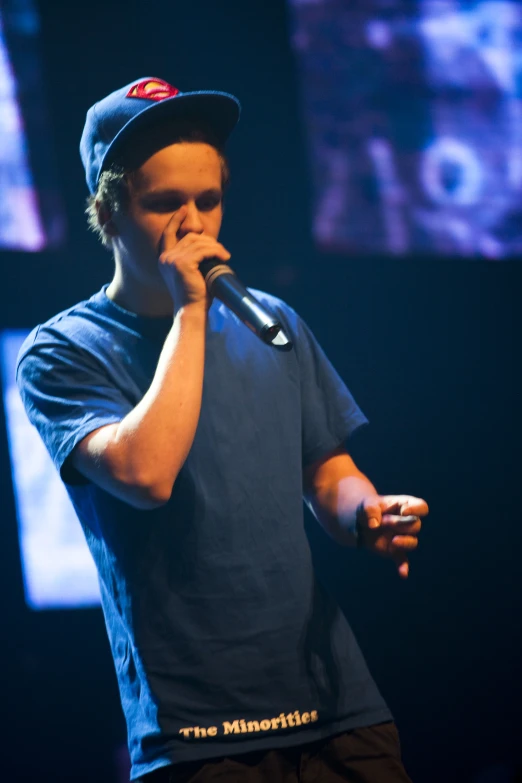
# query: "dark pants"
368,755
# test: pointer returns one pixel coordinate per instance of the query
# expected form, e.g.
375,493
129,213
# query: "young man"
186,445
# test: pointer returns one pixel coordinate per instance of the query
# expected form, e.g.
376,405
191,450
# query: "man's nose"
192,222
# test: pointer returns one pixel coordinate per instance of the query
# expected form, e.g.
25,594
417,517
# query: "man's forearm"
139,458
155,438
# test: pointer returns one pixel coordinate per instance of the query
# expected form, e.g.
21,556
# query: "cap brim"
218,111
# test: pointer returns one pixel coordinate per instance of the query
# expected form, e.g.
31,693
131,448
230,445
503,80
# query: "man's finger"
372,514
416,506
404,505
403,567
389,502
403,543
169,238
394,520
400,529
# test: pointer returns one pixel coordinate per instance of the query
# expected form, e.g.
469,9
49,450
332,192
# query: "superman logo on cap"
152,90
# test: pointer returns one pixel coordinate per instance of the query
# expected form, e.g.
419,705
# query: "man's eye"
165,205
207,204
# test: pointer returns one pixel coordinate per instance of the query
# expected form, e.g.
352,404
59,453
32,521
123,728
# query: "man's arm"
139,458
347,505
333,489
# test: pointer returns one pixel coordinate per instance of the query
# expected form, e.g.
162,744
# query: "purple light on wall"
414,118
31,217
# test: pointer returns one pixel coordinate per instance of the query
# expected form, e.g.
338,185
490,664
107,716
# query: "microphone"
223,284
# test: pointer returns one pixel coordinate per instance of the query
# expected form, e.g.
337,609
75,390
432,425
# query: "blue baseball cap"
142,104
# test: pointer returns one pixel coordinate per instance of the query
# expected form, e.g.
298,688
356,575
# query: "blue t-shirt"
223,639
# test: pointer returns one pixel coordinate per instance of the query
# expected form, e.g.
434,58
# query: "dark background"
429,347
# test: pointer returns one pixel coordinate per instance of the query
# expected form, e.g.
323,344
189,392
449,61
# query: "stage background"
430,348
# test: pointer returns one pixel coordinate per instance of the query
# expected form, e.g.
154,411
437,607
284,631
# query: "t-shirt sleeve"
66,394
330,414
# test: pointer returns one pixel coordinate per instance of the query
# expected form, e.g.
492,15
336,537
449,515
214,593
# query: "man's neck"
138,298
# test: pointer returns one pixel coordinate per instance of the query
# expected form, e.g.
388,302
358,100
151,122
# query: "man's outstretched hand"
390,525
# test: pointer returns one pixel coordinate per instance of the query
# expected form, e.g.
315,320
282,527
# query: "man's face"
186,173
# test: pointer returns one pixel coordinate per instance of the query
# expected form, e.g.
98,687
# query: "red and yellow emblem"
152,90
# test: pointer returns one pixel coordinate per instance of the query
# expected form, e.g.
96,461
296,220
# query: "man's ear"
105,219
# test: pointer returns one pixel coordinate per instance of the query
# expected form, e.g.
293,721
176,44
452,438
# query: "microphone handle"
224,285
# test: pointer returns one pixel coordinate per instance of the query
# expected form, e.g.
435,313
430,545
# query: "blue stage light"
57,566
